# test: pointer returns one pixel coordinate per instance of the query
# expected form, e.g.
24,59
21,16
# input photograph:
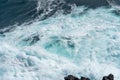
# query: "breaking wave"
63,39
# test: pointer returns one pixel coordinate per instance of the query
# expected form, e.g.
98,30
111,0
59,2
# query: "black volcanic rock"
71,77
84,78
109,77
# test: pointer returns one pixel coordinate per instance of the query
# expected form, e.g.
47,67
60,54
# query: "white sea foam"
78,44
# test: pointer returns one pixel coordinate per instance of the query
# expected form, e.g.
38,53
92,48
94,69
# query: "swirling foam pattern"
82,43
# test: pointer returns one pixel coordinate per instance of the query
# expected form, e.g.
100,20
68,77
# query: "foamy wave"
80,44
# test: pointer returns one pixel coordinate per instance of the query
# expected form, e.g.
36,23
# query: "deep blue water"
16,11
20,11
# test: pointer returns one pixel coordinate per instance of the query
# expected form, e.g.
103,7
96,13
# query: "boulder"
71,77
84,78
109,77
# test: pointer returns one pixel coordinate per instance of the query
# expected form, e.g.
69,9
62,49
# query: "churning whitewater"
85,42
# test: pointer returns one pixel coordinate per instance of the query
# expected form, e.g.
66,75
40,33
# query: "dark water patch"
21,11
116,12
31,40
16,11
89,3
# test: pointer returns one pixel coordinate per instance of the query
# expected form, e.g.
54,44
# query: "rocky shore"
71,77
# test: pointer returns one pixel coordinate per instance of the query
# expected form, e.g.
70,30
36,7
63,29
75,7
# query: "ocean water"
78,39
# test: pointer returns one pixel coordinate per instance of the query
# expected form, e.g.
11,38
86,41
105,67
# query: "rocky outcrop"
71,77
84,78
109,77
